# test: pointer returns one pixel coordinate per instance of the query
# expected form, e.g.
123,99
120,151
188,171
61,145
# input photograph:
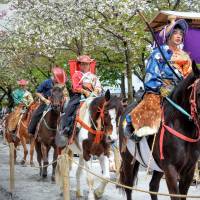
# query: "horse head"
110,113
57,98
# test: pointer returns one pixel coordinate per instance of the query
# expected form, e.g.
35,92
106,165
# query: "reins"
98,133
193,116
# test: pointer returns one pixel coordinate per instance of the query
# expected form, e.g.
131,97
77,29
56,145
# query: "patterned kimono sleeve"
153,79
17,96
76,82
187,67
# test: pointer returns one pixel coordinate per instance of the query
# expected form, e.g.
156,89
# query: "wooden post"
66,185
117,160
12,168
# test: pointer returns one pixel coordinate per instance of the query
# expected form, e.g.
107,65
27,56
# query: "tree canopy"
38,34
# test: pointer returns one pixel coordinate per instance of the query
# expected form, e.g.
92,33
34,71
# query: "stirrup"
135,138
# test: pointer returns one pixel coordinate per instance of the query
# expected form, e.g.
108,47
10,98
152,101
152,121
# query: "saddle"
142,152
146,116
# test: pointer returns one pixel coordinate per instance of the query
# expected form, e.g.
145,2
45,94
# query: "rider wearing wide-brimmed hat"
160,80
22,99
85,83
43,91
22,95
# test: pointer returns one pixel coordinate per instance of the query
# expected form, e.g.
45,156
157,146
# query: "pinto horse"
20,134
176,150
46,131
98,129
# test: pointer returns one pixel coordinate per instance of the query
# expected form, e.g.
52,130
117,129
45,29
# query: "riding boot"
129,127
67,126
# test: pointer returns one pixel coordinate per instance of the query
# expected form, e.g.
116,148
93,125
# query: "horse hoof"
22,162
17,163
44,175
32,164
79,194
53,179
98,194
61,194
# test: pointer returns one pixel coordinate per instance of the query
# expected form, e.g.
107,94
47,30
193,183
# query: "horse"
16,130
98,128
178,154
46,131
22,133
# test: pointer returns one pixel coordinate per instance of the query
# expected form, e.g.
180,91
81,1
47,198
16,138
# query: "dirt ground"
30,186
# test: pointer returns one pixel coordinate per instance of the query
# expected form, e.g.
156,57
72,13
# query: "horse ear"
107,95
195,69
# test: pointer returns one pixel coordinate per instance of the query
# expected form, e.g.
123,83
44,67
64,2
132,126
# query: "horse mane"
182,91
99,101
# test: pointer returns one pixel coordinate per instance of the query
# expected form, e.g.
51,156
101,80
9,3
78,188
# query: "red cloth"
76,81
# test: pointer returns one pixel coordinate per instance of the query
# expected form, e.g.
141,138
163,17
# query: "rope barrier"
133,188
119,184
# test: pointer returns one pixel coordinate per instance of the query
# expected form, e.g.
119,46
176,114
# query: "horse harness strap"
194,117
137,146
48,127
98,133
41,120
178,108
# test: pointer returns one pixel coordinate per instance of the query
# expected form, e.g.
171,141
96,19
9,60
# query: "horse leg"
104,162
55,156
45,151
15,153
172,181
154,184
39,155
79,189
32,145
90,182
23,141
185,180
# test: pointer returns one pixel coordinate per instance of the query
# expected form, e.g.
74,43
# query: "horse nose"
56,107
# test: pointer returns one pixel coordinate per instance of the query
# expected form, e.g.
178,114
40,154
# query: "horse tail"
128,172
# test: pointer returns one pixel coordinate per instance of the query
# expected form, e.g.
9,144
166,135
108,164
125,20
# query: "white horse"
100,113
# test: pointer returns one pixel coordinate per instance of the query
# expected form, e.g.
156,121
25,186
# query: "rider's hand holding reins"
85,92
46,101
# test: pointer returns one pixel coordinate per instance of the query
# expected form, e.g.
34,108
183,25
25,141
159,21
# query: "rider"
145,118
22,95
83,83
44,92
22,99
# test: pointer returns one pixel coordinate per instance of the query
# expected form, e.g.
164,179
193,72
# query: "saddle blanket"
144,154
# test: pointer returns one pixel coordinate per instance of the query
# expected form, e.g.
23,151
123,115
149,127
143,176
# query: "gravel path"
29,186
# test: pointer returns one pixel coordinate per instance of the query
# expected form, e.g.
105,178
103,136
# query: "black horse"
180,156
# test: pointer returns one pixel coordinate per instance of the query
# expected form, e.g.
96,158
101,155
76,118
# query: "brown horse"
175,154
22,133
46,131
98,128
16,131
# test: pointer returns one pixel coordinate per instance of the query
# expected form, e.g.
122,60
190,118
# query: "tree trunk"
10,99
128,72
122,86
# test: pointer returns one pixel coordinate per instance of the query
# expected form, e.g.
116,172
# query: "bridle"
194,118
